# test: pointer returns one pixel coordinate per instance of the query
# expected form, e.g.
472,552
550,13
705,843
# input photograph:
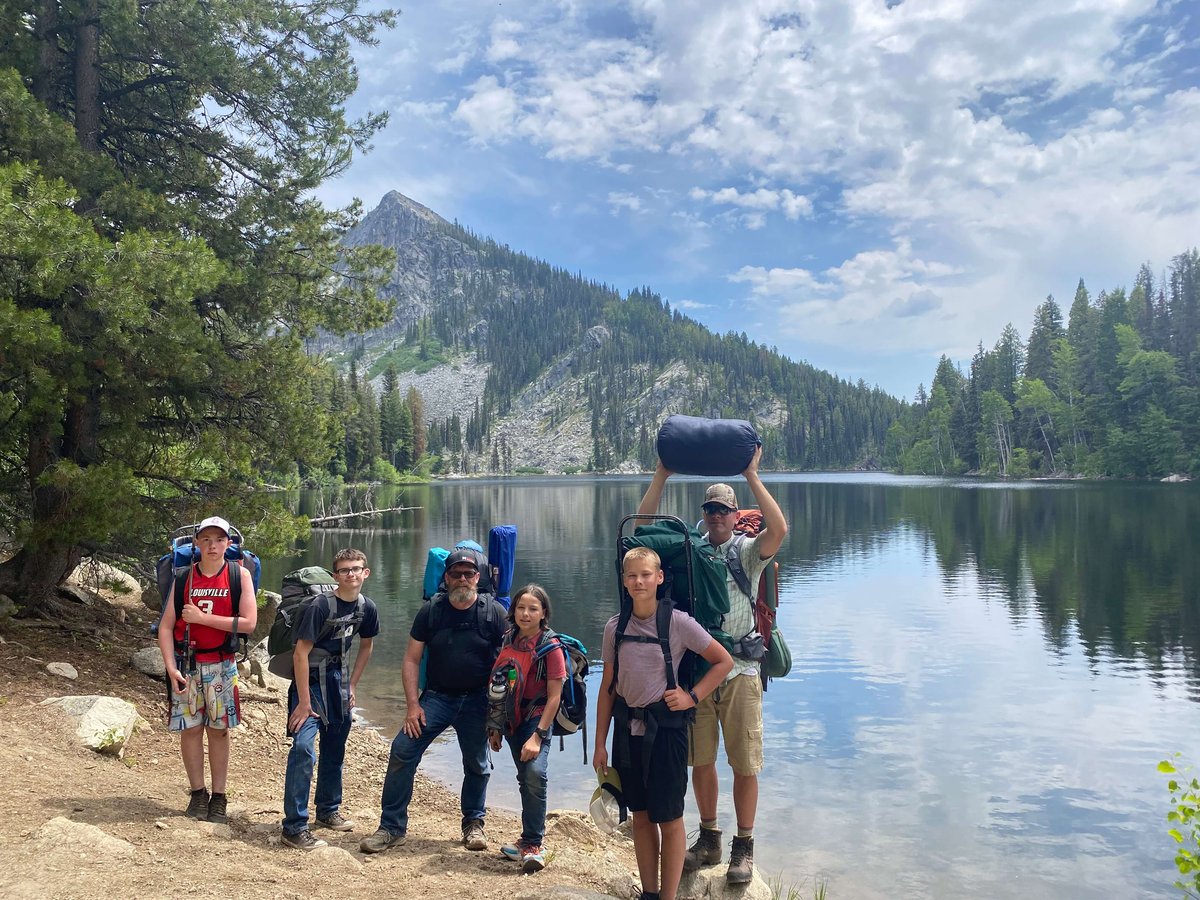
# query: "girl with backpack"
524,695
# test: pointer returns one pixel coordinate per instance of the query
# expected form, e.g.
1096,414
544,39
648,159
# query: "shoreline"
90,824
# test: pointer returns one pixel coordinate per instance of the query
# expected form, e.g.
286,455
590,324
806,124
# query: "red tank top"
211,594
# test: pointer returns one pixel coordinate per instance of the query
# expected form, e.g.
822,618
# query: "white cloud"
628,202
792,205
967,156
490,110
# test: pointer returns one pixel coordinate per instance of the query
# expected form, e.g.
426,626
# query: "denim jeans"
467,715
531,778
301,759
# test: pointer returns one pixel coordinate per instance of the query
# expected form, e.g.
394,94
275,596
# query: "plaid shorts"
211,698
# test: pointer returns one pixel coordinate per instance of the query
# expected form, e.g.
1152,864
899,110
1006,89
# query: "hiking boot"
197,807
216,809
380,841
335,821
705,852
302,840
532,860
473,838
741,861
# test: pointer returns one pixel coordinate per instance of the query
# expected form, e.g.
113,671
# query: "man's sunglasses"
461,573
716,509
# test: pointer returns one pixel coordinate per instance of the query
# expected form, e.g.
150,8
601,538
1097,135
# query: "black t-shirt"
462,643
312,620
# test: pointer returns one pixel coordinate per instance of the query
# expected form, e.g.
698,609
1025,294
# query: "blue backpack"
572,709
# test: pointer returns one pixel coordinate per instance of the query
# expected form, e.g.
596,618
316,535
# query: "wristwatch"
543,733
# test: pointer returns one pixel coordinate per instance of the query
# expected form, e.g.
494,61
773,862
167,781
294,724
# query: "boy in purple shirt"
640,690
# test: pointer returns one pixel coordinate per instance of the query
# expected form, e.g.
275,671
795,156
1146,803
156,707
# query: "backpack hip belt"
655,716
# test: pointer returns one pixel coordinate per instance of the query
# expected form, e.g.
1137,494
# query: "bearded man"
459,632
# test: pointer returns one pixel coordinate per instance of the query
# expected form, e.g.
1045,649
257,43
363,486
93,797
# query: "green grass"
408,359
794,891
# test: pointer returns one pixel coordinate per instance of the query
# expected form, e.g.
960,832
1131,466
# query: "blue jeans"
301,759
467,714
531,778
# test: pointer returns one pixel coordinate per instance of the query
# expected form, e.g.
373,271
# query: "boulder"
266,616
63,670
151,598
78,594
8,607
149,661
102,724
97,576
709,884
80,841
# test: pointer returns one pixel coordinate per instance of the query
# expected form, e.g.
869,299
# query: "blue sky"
863,185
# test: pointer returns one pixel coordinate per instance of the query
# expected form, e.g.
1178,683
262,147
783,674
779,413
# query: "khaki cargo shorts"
735,710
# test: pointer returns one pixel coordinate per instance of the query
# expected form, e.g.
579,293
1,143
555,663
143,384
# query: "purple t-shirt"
642,676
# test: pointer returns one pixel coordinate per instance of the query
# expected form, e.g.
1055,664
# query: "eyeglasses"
716,509
347,571
462,573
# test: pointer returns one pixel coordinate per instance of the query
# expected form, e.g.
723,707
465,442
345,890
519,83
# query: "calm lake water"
985,678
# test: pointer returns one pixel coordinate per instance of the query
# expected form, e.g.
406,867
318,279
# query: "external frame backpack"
299,590
777,659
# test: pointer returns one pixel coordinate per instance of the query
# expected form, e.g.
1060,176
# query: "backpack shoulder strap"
733,559
180,591
662,623
235,584
619,635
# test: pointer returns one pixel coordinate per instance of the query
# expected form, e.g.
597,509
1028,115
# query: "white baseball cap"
215,522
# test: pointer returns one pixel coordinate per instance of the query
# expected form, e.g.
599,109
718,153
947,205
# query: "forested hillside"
569,361
1113,390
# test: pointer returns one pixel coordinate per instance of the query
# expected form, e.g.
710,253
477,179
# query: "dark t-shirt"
463,645
312,620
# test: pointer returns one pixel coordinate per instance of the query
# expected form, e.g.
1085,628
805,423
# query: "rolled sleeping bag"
691,445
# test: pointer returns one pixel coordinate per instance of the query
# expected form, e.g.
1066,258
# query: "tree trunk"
87,76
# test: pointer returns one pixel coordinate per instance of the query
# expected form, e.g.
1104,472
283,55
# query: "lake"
985,674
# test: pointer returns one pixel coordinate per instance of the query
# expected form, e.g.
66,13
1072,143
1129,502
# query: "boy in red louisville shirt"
198,648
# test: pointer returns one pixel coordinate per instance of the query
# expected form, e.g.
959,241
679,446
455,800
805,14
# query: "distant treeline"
1114,391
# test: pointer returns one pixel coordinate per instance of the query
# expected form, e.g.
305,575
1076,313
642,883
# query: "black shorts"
660,790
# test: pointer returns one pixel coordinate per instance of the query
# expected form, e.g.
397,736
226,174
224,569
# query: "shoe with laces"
216,809
532,860
197,807
380,841
741,861
705,852
473,837
302,840
335,821
512,852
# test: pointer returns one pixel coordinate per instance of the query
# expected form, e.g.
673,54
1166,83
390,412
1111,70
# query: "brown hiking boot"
741,861
705,852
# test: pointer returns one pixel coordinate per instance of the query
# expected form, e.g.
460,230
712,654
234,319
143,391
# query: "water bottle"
497,691
498,687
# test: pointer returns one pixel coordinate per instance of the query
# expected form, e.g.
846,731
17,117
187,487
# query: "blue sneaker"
511,852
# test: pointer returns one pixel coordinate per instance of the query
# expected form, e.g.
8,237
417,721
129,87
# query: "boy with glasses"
734,710
321,699
462,629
